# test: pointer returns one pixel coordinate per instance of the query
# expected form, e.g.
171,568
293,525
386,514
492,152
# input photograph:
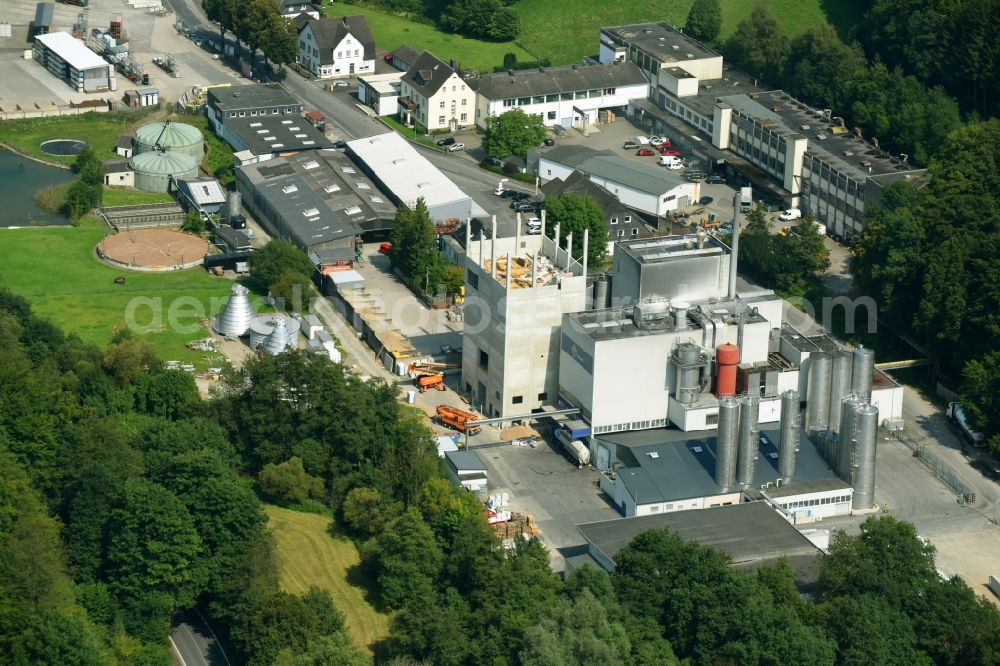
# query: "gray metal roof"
660,41
277,133
329,32
572,156
752,534
654,180
555,80
580,185
678,471
203,191
406,53
465,461
427,74
251,96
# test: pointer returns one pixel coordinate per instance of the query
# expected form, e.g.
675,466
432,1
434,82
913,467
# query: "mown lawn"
100,130
309,555
390,31
55,268
129,196
566,31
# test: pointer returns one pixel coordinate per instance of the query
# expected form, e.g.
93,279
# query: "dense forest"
124,498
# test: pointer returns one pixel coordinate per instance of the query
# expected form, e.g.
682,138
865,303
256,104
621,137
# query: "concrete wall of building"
722,118
455,102
678,87
889,402
458,210
548,169
576,367
120,179
704,417
695,278
704,69
822,504
653,203
795,150
640,363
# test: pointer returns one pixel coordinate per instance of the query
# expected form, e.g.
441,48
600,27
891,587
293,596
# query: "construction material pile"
520,271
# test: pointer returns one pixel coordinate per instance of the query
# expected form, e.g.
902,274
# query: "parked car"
704,201
534,226
340,84
662,143
522,206
790,214
549,142
516,195
672,162
645,152
455,147
670,152
446,141
715,179
694,175
630,145
655,139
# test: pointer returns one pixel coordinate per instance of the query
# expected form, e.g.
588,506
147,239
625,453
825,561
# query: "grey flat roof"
204,191
710,91
618,323
277,133
72,50
556,80
843,150
660,41
408,174
250,96
465,461
649,179
680,471
572,156
818,486
671,248
752,534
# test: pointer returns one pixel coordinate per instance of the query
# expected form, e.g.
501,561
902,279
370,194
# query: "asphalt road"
194,643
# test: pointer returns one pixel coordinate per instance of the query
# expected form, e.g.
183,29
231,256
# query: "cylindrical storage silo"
601,293
840,385
153,171
687,359
681,315
726,443
861,373
863,466
277,341
848,434
234,205
788,441
170,137
727,358
746,466
818,398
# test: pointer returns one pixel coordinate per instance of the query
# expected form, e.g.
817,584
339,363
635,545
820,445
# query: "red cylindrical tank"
727,357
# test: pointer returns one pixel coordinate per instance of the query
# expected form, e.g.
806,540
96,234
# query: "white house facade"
337,47
433,96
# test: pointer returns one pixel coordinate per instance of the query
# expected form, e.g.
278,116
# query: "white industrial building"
646,188
516,292
69,59
406,175
380,92
466,470
569,96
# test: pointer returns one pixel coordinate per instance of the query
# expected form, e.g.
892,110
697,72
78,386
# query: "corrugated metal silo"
863,466
847,436
746,468
234,320
154,170
840,385
788,442
727,442
861,374
818,399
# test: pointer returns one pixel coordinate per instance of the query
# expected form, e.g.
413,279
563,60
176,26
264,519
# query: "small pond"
63,147
20,178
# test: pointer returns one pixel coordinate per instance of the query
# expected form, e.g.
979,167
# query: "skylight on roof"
263,131
329,189
301,136
308,143
255,124
286,122
347,169
311,212
362,185
375,198
311,164
277,145
288,189
353,210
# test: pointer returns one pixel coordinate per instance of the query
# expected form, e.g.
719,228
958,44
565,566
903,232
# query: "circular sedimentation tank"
63,147
170,137
154,170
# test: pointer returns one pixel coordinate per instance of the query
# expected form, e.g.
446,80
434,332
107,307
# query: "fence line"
942,470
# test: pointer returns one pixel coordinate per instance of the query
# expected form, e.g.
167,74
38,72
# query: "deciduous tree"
512,133
704,20
759,46
573,214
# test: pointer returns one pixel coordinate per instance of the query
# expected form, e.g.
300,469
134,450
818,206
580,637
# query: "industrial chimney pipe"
734,256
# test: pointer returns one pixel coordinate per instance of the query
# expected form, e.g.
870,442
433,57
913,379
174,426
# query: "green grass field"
100,130
309,555
565,32
129,196
390,31
55,268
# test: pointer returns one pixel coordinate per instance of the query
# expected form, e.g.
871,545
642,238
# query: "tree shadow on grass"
844,15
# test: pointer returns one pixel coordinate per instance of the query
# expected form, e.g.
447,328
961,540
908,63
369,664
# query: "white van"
790,214
672,162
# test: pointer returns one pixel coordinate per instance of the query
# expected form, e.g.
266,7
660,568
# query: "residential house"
337,47
402,57
291,9
623,224
570,96
432,95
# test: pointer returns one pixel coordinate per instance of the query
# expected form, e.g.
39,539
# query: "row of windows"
347,54
685,113
262,112
627,220
840,499
464,118
464,102
567,96
635,425
519,399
